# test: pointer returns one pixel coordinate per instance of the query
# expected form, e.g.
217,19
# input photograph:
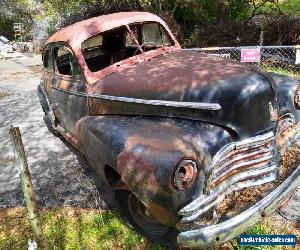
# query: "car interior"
65,62
107,48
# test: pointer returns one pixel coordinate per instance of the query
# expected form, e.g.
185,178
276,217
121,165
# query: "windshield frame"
92,77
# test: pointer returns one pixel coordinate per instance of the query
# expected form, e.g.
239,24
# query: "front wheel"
139,218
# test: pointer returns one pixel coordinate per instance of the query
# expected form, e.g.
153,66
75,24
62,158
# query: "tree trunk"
220,11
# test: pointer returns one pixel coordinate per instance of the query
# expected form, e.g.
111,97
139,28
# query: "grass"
290,6
273,224
70,228
78,228
281,71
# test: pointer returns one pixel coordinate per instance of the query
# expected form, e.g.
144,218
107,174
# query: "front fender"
286,87
146,151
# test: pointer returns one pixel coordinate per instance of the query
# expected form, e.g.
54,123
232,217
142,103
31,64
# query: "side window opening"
47,60
152,34
94,42
66,63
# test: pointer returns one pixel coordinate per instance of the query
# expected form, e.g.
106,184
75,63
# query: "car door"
46,81
68,88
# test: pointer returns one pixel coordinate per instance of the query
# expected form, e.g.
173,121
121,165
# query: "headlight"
297,98
185,174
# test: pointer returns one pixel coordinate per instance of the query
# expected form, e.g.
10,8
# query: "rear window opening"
107,48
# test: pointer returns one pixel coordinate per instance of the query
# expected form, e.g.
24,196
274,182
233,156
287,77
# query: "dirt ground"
60,176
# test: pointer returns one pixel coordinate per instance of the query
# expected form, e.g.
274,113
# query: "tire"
143,224
49,125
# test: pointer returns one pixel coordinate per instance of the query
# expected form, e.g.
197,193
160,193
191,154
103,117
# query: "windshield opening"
109,47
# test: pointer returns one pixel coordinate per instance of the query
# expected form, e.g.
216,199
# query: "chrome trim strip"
257,140
244,175
203,210
227,230
191,105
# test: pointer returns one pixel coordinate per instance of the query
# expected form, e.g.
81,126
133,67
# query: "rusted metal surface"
232,169
185,174
80,31
181,130
245,199
147,151
229,229
75,34
297,97
183,76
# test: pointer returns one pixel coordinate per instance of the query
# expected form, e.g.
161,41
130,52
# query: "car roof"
76,33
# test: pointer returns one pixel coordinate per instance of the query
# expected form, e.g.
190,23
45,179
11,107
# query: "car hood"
244,93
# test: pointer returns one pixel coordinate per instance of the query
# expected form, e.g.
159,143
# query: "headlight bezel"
185,174
297,97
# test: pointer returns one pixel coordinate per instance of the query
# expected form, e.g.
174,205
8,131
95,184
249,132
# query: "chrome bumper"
227,230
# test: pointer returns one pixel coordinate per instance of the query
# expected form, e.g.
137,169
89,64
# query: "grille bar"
236,152
241,165
237,165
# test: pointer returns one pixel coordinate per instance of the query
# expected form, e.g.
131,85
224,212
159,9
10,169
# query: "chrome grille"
237,165
248,159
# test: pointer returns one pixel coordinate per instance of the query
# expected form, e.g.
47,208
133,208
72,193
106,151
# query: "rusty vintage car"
173,132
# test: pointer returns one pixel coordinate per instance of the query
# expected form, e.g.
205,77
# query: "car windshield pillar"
134,38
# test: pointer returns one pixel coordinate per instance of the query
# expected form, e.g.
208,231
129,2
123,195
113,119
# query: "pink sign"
250,55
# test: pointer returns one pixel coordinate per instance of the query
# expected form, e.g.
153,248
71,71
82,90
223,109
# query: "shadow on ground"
60,175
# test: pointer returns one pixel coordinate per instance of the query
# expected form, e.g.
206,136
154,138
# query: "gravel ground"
60,176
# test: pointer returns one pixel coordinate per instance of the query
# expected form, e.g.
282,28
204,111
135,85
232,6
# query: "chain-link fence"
282,59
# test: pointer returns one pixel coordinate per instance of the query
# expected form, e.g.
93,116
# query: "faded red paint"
75,34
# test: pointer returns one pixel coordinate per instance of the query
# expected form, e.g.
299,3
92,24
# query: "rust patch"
286,135
290,160
297,97
185,175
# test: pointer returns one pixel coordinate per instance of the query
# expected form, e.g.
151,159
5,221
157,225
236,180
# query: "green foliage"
189,14
258,229
291,7
71,228
6,25
281,71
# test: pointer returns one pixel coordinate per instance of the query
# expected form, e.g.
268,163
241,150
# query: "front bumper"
227,230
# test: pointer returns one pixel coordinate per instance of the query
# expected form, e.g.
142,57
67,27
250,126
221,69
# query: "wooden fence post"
27,186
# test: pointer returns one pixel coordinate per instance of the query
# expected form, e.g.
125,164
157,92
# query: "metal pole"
27,186
261,38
